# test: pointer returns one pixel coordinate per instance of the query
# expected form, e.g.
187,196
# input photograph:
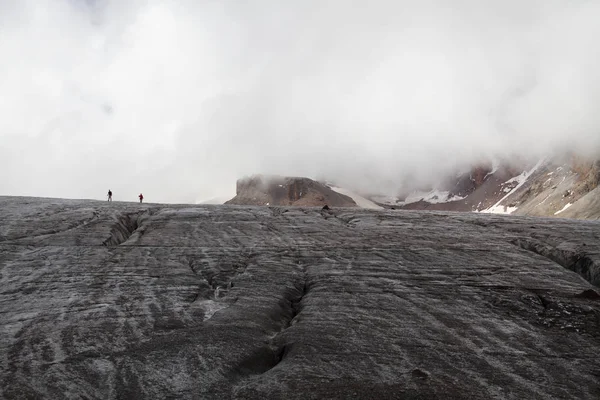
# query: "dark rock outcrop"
262,190
137,301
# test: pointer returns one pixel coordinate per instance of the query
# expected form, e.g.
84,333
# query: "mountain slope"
565,188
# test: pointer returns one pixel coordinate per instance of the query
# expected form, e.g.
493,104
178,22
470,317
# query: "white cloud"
177,99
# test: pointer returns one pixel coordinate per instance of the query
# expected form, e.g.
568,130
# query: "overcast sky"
179,98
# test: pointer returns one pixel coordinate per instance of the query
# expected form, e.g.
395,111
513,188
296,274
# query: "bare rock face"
477,189
588,173
567,190
285,191
563,187
479,174
117,300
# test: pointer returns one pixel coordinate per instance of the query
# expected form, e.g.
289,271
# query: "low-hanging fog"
179,98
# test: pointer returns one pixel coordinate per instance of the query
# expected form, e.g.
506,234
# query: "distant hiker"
109,195
141,196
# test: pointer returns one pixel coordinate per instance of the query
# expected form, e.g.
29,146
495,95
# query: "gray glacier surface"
144,301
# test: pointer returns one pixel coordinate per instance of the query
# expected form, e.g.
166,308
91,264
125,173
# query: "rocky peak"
479,173
287,191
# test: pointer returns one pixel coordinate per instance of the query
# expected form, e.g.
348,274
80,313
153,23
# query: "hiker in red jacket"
141,196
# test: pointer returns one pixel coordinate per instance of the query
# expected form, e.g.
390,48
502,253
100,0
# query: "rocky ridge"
287,191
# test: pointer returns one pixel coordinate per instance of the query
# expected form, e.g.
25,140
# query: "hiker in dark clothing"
109,195
141,196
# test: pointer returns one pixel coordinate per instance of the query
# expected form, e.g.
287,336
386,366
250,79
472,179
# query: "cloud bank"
179,98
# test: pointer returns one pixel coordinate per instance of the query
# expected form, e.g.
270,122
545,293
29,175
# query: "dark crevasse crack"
212,294
301,288
260,361
573,260
290,310
589,294
543,301
328,214
206,289
126,226
274,351
220,277
296,301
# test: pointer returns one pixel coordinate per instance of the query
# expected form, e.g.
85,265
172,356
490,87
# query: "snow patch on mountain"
433,197
564,208
359,200
497,209
510,187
